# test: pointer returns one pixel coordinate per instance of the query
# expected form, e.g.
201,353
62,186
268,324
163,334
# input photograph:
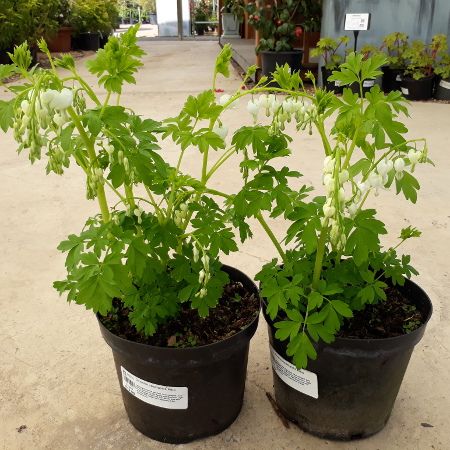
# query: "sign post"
357,23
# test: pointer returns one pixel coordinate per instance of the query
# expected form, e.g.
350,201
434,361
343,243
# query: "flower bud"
328,211
222,131
195,253
201,276
253,108
399,165
225,98
344,176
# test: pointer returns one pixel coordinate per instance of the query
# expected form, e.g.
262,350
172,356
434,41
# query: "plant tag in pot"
405,91
398,78
338,83
169,397
444,84
368,83
303,381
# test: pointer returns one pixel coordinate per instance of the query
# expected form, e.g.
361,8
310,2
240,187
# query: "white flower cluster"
41,112
204,275
334,181
181,214
282,110
138,211
93,179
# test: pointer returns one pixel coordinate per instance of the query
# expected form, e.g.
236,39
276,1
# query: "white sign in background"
357,22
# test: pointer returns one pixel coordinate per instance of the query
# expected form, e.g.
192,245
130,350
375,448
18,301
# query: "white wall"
166,11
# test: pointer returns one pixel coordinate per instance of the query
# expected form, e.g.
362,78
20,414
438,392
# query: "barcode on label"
128,380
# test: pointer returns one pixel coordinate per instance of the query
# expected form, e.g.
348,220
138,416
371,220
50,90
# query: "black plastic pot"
103,40
392,79
270,60
332,86
442,90
417,89
358,380
4,57
367,86
200,390
89,41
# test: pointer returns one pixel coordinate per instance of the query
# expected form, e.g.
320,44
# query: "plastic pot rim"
370,340
174,350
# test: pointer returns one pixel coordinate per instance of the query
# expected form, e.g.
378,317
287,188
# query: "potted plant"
9,23
311,12
394,45
442,70
337,302
276,26
178,321
418,80
202,12
232,15
90,19
62,41
107,27
367,51
327,48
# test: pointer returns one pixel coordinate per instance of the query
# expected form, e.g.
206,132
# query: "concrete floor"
57,374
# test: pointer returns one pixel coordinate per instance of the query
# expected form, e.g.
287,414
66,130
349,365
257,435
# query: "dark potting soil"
236,309
394,317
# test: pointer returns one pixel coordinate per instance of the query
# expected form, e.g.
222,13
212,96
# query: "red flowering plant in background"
275,22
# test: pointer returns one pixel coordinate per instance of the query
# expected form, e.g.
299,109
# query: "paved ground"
57,375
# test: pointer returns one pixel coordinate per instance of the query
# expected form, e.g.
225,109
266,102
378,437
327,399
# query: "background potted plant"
311,13
442,70
232,16
106,29
327,48
275,23
90,19
367,51
394,45
178,321
62,40
336,301
9,25
201,12
418,80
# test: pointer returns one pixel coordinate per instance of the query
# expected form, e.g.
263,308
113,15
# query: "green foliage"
422,58
442,67
327,48
117,62
275,23
94,16
235,7
395,44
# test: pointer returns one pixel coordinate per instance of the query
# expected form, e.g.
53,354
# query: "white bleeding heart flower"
24,105
62,100
384,167
47,96
363,187
328,164
399,165
344,176
201,276
263,101
414,156
195,253
253,108
328,182
225,98
221,131
375,180
328,211
352,209
288,106
59,119
341,195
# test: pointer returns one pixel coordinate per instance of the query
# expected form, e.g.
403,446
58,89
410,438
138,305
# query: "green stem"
130,196
272,237
321,129
230,152
101,197
319,257
158,210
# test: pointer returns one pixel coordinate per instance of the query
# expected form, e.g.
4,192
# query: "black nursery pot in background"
392,79
270,60
332,86
88,41
355,381
176,395
442,90
418,89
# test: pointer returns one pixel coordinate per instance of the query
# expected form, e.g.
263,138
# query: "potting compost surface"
393,317
235,310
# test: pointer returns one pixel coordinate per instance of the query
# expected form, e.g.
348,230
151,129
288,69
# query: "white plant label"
169,397
444,84
357,22
405,91
398,78
368,83
303,381
338,83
